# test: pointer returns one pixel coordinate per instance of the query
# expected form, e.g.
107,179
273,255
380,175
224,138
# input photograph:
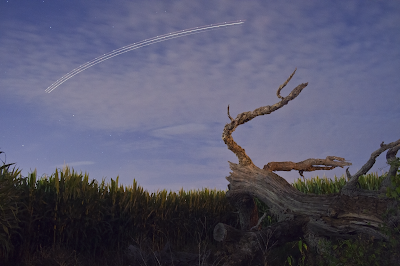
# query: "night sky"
157,113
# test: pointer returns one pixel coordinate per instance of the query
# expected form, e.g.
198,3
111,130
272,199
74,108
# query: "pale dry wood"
332,215
311,216
344,215
351,185
308,165
244,117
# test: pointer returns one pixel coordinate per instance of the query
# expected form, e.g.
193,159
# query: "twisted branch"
244,117
351,184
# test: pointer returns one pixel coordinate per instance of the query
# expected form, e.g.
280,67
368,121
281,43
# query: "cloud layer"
157,113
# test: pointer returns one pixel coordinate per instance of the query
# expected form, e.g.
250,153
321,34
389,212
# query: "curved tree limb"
342,215
244,117
278,92
351,185
230,117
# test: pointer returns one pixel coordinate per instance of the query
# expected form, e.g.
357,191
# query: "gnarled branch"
308,165
351,185
244,117
341,215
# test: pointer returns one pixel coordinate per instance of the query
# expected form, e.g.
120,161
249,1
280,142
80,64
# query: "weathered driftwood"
247,116
344,215
308,165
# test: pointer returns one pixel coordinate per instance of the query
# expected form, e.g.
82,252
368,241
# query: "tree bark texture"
345,215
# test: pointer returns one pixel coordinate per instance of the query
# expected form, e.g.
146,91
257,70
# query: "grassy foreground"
67,219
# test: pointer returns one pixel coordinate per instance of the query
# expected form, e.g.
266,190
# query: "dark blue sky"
157,113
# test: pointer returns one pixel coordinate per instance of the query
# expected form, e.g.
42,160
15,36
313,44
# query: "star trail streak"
138,45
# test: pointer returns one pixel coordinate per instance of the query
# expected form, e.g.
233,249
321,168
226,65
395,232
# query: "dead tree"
345,215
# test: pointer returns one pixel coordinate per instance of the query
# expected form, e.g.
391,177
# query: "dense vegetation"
67,219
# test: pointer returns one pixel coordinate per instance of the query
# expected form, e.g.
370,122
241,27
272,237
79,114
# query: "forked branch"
244,117
350,186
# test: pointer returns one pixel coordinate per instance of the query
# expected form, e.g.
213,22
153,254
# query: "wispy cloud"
186,130
168,101
74,164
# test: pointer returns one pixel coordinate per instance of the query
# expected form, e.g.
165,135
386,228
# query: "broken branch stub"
308,165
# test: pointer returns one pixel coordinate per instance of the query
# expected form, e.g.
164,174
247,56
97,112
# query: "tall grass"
10,209
326,185
67,209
